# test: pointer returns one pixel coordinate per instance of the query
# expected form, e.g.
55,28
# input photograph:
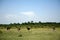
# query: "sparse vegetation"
1,32
20,35
38,31
34,34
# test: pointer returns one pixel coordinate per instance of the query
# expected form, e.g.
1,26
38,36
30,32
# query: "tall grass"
33,34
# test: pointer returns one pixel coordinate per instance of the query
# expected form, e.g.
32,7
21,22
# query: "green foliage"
20,35
32,24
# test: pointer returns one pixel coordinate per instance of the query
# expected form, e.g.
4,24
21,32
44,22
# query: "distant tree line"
31,24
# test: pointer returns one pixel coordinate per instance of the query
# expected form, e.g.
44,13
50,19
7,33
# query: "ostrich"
18,29
8,28
28,28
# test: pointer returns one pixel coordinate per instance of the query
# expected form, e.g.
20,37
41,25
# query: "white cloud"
28,14
19,17
12,18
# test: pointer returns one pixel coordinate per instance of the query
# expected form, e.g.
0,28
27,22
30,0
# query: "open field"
33,34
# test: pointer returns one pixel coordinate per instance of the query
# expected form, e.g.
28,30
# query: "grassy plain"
33,34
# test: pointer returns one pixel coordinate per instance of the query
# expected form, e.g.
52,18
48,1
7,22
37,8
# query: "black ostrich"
8,28
28,28
19,29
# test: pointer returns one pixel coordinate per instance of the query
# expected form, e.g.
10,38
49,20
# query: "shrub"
20,35
1,32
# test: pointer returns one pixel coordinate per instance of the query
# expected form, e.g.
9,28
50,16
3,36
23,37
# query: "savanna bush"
1,32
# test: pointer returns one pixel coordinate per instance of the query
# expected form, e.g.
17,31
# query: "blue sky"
14,11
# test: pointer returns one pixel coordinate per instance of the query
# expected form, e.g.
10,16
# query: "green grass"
33,34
